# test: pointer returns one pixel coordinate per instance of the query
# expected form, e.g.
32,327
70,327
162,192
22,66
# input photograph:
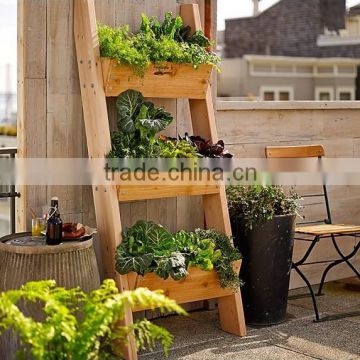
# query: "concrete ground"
198,337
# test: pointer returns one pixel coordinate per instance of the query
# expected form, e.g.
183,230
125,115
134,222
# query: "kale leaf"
149,247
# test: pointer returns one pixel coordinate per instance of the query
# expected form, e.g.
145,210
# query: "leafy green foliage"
139,121
228,278
149,247
157,43
204,148
129,104
173,148
140,118
81,326
258,204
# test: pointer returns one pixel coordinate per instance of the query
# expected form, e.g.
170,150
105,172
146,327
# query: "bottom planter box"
198,285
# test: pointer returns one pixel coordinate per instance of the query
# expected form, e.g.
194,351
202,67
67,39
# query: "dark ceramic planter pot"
267,254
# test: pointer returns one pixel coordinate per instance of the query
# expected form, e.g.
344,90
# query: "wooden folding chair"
319,229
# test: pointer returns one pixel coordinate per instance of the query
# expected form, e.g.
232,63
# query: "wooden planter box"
198,285
164,187
166,81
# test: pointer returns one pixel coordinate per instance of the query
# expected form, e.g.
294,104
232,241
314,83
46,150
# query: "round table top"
26,243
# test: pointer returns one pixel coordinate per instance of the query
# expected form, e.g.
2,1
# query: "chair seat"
328,229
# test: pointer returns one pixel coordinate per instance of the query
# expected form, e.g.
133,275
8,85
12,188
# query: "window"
284,96
276,93
325,71
324,94
269,96
345,93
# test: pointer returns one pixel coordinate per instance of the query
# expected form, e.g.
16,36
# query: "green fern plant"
81,326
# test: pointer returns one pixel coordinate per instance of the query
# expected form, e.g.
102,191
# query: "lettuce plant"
81,326
148,247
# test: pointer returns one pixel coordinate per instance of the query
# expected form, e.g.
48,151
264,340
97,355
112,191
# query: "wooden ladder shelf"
92,72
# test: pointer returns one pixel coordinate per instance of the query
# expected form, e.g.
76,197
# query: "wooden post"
215,205
99,144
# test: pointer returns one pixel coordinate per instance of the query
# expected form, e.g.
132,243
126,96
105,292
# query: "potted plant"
161,59
75,325
204,261
263,224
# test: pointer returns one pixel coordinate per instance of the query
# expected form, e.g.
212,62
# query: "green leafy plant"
148,247
204,148
173,148
138,122
81,326
157,43
258,204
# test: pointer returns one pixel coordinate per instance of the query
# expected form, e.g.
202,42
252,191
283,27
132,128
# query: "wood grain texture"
278,126
304,151
31,98
133,193
168,80
64,110
328,229
199,285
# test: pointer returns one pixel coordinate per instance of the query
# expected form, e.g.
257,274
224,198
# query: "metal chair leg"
337,262
346,258
317,317
302,261
308,252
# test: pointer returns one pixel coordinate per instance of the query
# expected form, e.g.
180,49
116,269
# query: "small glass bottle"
54,224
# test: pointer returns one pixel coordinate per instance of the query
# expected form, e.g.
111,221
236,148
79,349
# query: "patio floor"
299,338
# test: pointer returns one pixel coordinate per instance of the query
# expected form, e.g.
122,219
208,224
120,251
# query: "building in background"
7,109
295,50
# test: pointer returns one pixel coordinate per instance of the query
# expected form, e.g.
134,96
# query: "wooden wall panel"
32,94
64,108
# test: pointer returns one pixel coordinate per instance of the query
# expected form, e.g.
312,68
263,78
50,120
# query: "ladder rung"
147,192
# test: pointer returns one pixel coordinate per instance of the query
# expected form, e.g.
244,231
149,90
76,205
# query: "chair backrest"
295,151
299,152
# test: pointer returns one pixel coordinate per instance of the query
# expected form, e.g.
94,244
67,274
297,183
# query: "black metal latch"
10,195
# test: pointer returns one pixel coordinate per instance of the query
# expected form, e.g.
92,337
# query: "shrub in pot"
79,326
263,224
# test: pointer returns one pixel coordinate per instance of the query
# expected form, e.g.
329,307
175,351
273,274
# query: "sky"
8,36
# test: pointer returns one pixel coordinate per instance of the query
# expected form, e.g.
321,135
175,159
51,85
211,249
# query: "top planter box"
168,80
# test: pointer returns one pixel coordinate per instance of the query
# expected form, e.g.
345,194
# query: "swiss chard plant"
156,42
148,247
78,325
138,122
